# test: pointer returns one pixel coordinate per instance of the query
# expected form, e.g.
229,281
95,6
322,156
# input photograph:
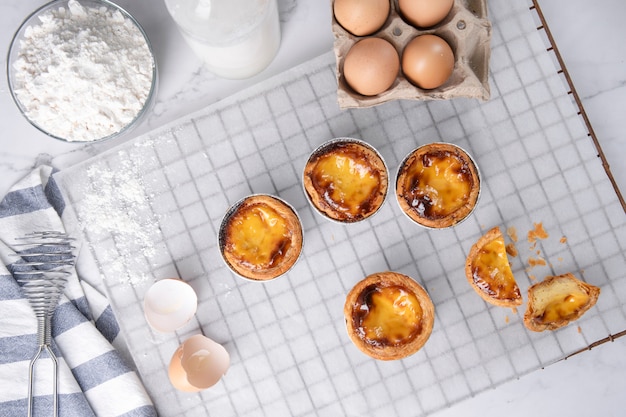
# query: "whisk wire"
47,260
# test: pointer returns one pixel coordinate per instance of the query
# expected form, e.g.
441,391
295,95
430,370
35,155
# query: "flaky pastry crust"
502,289
415,196
320,187
288,245
572,296
353,313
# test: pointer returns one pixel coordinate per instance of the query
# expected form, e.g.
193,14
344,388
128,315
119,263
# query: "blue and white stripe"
94,378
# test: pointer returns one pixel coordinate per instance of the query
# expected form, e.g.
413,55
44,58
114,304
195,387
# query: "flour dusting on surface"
116,207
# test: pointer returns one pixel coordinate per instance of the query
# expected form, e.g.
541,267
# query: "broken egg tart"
557,301
488,270
437,185
346,180
260,237
389,316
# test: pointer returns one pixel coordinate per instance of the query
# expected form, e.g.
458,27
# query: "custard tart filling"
261,237
438,185
345,180
389,315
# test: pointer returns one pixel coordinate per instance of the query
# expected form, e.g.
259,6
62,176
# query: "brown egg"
371,66
427,61
361,17
425,13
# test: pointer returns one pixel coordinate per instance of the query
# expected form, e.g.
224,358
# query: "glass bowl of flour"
82,70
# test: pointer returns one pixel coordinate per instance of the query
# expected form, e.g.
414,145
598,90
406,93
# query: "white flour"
83,73
115,206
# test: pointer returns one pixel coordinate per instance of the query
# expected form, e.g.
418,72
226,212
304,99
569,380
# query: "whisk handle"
55,380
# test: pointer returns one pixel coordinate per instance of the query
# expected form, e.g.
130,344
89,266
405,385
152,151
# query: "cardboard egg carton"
466,29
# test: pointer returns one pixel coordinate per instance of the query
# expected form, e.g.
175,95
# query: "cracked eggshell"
198,364
169,304
466,29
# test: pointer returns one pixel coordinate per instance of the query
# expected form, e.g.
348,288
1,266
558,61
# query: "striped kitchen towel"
94,378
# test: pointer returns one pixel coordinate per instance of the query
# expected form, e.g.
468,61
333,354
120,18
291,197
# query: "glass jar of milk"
235,38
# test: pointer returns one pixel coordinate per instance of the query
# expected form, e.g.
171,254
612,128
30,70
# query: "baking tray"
161,197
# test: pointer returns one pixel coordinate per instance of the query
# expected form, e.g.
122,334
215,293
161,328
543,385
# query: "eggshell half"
177,374
169,304
198,364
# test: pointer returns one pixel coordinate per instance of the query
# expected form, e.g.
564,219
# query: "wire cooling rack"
161,198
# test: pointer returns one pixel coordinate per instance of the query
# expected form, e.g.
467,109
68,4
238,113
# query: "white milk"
235,38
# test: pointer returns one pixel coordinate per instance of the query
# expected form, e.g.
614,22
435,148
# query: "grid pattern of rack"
290,355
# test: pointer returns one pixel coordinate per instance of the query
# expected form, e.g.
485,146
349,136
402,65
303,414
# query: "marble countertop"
591,383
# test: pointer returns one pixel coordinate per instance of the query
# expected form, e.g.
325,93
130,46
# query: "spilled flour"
116,207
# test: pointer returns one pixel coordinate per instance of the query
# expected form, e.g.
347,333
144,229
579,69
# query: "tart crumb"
537,233
511,250
536,261
512,233
563,239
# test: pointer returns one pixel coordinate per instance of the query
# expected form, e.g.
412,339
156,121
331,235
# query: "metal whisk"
48,259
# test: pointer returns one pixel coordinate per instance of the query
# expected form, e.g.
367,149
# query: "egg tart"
389,316
488,270
557,301
437,185
260,237
346,180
